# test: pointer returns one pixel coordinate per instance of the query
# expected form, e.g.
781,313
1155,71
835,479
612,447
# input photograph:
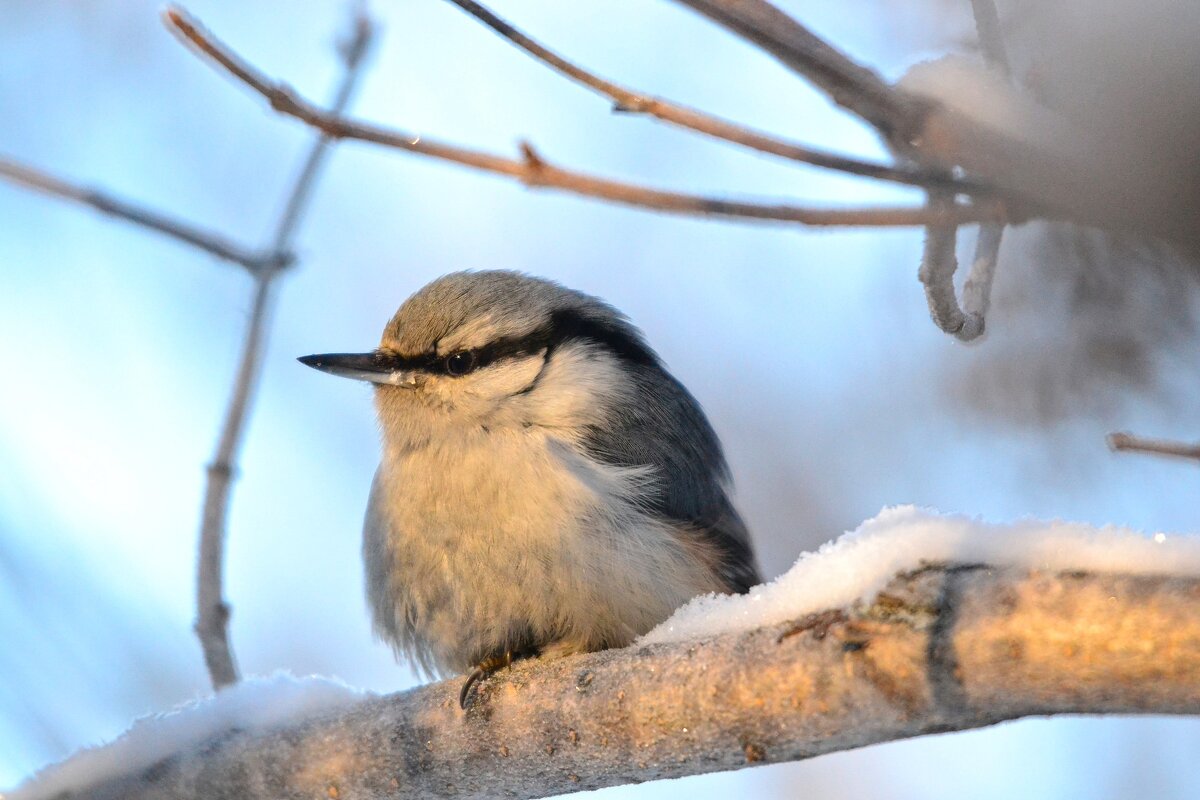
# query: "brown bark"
943,648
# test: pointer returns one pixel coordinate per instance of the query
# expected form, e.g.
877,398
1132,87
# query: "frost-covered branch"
1028,619
212,620
938,261
944,648
1045,164
977,290
938,265
534,171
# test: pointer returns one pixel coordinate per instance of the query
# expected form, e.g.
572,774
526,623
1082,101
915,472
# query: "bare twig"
942,649
628,101
534,171
938,263
897,116
1136,444
978,288
991,36
213,612
106,203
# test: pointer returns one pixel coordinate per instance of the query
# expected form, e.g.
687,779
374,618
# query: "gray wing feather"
666,429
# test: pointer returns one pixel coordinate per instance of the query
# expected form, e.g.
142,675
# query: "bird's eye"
460,363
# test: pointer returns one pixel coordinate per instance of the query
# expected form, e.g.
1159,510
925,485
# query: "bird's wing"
666,429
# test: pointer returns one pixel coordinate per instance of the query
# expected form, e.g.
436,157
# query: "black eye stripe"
564,326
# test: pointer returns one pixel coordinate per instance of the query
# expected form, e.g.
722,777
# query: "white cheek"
576,388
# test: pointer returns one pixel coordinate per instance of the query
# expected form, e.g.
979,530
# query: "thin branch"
534,171
991,36
978,288
942,649
628,101
212,626
1135,444
897,116
106,203
938,264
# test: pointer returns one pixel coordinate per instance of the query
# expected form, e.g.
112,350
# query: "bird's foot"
487,668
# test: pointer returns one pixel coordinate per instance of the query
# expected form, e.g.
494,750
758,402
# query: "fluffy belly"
550,552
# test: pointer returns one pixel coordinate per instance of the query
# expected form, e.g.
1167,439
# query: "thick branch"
944,648
896,115
156,221
212,621
1045,164
629,101
534,171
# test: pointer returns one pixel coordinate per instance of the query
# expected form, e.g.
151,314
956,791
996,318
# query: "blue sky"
811,350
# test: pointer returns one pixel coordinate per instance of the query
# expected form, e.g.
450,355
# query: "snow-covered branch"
1012,621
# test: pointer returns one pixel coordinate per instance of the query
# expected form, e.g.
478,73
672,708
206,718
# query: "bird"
546,487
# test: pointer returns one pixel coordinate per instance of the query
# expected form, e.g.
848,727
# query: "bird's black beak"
374,367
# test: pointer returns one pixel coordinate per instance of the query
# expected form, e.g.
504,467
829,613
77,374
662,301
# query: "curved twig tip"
177,18
1118,441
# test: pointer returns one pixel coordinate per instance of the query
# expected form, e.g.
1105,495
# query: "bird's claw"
484,669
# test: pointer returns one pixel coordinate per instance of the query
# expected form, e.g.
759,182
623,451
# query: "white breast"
497,535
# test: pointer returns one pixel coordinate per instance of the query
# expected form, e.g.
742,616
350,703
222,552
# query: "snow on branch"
913,624
1045,164
534,171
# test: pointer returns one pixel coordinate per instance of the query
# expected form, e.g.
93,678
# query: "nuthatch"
546,486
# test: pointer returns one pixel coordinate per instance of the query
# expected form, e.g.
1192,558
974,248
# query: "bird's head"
476,352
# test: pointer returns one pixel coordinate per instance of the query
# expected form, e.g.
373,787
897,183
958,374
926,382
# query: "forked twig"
626,100
1125,442
106,203
534,171
978,288
212,611
897,115
939,263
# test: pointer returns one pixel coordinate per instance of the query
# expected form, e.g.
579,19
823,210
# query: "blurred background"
811,350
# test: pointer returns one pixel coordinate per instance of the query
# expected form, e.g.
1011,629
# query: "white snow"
981,94
971,88
253,704
852,568
856,566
